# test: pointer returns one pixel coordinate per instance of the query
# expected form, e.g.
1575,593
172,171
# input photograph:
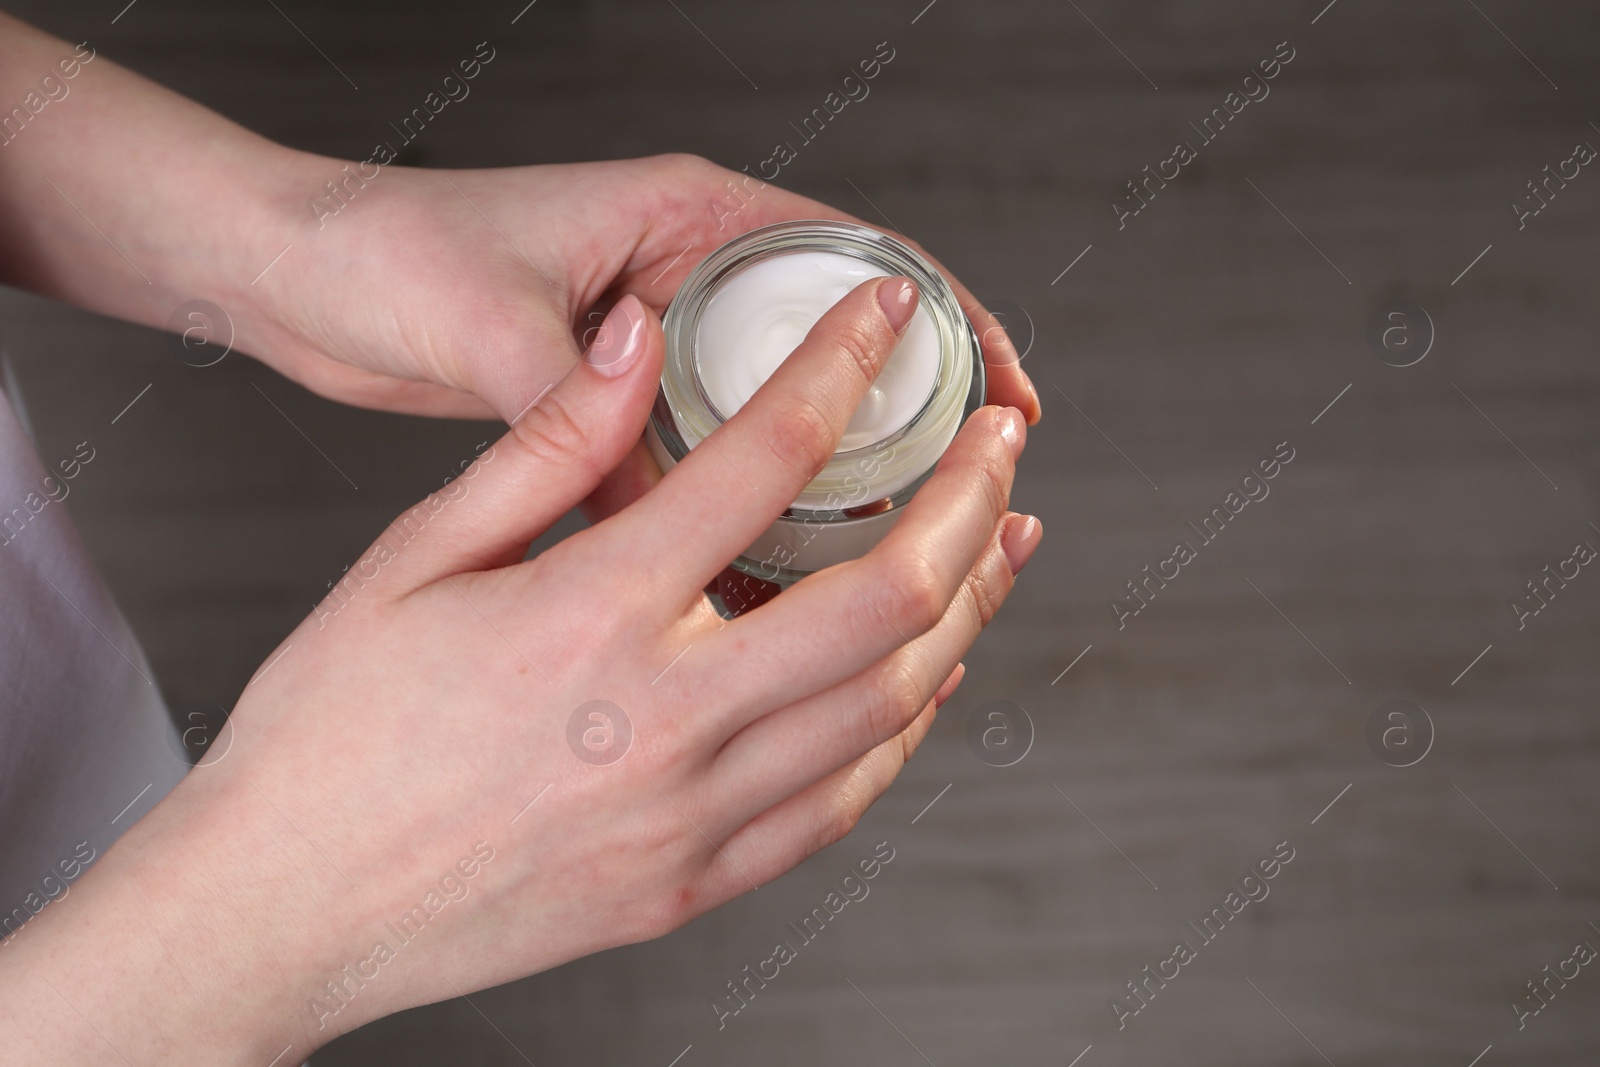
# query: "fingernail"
1013,430
619,340
1020,537
898,299
1038,406
951,684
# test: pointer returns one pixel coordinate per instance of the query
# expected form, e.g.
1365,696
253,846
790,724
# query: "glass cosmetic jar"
745,308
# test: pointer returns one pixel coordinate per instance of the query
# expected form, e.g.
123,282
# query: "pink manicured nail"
619,340
1021,535
1013,430
948,689
898,299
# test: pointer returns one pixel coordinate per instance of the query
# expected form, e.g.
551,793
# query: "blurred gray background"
1176,752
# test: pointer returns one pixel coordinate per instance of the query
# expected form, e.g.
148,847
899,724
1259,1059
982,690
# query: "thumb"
556,452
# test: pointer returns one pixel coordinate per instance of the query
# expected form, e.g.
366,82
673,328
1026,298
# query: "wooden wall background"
1213,327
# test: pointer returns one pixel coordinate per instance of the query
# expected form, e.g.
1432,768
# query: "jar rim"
685,415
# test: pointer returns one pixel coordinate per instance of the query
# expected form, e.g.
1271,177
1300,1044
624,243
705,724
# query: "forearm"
193,941
122,197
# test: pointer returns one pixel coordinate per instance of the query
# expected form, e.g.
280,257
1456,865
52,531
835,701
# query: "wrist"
193,940
139,199
256,244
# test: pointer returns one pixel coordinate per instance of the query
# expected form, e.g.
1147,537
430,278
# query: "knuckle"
842,816
911,737
658,917
551,431
996,479
659,838
680,907
994,475
676,740
864,349
894,700
909,597
801,436
986,589
687,164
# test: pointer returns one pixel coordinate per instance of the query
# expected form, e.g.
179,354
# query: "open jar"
745,308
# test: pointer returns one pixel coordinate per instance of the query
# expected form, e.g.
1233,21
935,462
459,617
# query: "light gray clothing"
86,744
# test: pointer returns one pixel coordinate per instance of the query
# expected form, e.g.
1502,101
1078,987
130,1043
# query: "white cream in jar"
760,315
746,308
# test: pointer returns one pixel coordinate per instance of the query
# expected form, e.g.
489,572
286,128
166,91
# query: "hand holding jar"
411,809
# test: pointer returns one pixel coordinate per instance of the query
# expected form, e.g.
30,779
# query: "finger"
780,838
636,475
1008,384
836,623
554,455
785,751
730,488
631,479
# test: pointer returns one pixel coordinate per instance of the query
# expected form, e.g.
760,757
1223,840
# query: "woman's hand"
463,768
468,292
429,291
